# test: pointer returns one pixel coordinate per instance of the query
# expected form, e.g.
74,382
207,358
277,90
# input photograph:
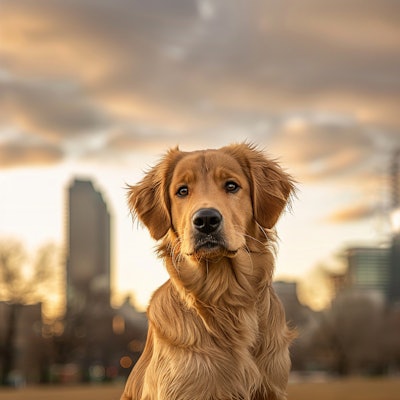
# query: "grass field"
352,389
347,389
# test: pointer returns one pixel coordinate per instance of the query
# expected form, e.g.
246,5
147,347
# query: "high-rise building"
395,180
88,248
394,284
369,269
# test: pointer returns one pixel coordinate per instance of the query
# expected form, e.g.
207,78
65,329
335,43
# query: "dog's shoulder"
160,297
166,303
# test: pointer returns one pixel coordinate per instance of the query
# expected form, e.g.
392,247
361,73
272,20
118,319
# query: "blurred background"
93,92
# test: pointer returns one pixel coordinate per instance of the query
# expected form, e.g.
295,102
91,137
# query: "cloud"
53,110
17,153
323,146
190,69
352,213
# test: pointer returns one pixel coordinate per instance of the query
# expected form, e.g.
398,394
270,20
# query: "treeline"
358,334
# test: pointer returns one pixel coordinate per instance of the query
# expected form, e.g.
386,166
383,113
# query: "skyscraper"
394,287
369,269
394,284
88,247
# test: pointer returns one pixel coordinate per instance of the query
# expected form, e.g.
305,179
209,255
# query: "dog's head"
212,201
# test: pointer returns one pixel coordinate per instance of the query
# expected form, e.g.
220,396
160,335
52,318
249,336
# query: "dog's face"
210,202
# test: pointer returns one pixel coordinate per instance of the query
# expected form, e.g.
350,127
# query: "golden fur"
217,330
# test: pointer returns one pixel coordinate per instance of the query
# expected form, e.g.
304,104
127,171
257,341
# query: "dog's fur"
217,330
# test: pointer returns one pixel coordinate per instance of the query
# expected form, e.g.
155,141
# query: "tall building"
88,246
395,180
394,285
97,339
369,269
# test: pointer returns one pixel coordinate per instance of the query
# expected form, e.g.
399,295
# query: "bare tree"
22,281
350,337
392,343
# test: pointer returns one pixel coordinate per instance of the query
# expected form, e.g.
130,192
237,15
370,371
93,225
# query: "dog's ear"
149,199
271,187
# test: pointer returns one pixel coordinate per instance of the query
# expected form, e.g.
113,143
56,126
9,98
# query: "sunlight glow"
395,219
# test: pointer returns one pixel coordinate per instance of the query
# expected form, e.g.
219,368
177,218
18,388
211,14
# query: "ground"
349,389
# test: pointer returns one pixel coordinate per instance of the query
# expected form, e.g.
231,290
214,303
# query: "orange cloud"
161,69
352,213
16,154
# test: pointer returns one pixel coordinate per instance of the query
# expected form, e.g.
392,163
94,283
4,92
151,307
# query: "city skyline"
147,271
100,90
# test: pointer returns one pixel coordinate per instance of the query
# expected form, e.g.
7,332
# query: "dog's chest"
217,349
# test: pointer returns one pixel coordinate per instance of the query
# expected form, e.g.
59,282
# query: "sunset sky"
100,89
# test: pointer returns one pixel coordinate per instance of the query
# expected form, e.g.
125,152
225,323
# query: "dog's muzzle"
206,223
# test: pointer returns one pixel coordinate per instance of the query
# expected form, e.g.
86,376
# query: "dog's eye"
182,191
231,187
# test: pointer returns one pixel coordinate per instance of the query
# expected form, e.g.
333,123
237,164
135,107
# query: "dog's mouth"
210,246
208,243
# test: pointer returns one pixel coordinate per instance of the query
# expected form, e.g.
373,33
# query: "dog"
217,330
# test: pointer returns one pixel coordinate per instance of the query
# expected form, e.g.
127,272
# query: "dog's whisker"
238,233
246,247
266,232
253,238
248,252
175,255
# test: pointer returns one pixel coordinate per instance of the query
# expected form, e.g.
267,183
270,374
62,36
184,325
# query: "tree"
351,334
23,280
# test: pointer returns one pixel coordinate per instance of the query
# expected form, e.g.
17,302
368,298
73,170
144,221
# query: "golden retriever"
217,330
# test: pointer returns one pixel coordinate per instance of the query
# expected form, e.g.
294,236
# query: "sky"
100,90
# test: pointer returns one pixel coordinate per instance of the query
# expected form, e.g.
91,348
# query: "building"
88,248
96,336
24,350
338,282
369,269
300,317
297,314
394,283
394,286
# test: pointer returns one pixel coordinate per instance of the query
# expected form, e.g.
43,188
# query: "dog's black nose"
207,220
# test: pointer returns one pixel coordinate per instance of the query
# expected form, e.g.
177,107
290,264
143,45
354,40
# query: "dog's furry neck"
224,293
227,281
223,281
